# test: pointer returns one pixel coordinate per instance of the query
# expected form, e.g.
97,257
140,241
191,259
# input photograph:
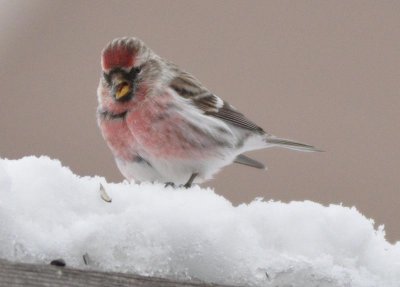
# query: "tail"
291,144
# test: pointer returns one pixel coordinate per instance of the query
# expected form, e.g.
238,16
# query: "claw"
169,184
187,185
190,181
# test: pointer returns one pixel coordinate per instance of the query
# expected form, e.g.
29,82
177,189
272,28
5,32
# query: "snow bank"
47,212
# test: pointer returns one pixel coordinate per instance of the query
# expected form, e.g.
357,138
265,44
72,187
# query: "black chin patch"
129,77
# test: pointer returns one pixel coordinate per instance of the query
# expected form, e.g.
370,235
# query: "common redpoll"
163,125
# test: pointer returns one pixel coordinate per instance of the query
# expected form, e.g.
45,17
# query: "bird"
163,125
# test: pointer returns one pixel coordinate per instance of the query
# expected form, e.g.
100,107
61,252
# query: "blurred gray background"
322,72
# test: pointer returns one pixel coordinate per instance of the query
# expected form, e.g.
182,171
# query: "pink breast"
166,134
119,138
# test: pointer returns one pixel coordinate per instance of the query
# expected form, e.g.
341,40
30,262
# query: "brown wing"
189,87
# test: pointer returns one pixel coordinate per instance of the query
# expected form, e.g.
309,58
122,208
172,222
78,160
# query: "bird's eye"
135,71
107,77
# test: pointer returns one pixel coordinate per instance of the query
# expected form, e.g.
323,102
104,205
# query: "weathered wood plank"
38,275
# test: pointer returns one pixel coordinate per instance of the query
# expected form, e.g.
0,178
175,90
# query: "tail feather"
291,144
242,159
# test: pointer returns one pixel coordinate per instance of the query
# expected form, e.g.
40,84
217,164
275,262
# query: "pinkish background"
321,72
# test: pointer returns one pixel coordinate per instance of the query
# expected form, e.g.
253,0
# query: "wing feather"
189,87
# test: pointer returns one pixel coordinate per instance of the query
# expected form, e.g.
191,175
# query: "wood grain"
35,275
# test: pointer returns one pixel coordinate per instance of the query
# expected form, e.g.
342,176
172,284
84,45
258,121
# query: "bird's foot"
190,181
187,185
170,184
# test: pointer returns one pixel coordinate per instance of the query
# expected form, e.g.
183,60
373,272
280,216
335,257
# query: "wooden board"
23,274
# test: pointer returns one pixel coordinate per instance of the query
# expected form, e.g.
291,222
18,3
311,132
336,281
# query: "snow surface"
47,212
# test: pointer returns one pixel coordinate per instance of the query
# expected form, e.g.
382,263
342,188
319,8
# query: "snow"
47,212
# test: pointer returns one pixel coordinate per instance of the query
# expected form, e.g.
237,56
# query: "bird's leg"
190,181
169,184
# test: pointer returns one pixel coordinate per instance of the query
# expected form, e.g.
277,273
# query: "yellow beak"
122,90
